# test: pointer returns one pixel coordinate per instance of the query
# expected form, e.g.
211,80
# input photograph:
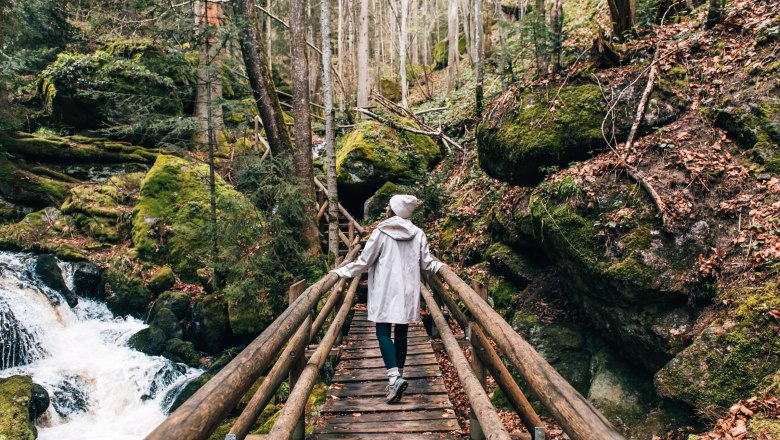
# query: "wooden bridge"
291,348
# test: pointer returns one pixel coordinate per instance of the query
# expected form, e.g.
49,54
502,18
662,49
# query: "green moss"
15,399
755,128
74,149
376,206
373,153
126,293
631,270
390,89
162,280
533,136
171,222
732,358
764,427
249,315
512,264
181,351
212,325
149,340
17,184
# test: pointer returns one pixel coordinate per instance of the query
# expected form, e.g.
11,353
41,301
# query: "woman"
394,254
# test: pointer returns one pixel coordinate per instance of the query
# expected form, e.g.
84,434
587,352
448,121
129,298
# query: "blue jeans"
394,355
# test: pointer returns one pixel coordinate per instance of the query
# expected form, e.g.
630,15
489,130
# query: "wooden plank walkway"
355,407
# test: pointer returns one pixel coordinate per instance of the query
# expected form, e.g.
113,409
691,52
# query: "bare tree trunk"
209,65
540,35
453,58
467,29
340,48
330,133
426,34
302,127
415,43
362,67
269,35
478,34
623,14
210,18
402,38
260,79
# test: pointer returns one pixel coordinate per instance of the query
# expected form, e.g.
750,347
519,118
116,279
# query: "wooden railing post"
475,430
300,357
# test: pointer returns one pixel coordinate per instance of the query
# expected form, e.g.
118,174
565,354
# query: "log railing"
578,418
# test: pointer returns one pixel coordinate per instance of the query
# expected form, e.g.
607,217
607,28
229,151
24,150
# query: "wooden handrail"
578,418
200,415
335,294
299,395
480,403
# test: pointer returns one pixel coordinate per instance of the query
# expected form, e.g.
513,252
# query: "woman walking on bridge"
394,255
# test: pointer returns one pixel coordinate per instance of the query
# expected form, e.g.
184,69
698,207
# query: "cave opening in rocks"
353,197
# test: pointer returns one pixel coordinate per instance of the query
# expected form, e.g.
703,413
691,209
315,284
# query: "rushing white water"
99,387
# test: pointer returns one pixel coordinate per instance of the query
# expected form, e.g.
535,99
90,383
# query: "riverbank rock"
163,279
176,302
211,323
88,281
149,340
126,293
49,273
181,351
17,408
373,153
533,132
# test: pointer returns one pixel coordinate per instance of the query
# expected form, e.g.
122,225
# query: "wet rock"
88,281
17,344
162,280
49,273
149,340
70,396
126,293
39,402
181,351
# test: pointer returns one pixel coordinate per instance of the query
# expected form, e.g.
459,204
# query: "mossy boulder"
150,340
103,211
211,323
373,153
163,279
22,188
171,221
633,288
88,281
441,51
166,321
126,293
390,89
176,302
81,89
734,357
249,315
550,128
512,264
181,351
16,400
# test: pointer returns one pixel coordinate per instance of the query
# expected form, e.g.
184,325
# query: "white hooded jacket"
394,254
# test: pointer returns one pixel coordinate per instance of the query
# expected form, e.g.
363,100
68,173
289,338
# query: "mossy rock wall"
633,288
735,358
373,153
171,221
441,51
551,128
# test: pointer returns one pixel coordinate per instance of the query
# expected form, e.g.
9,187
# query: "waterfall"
99,387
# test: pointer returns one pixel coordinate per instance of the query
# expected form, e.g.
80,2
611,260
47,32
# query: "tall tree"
478,35
302,159
209,88
402,39
453,57
556,34
330,132
260,81
505,61
362,57
623,14
540,34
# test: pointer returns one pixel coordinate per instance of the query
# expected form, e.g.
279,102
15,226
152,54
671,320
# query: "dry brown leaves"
759,224
735,425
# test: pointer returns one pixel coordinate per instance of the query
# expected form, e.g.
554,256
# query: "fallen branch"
408,114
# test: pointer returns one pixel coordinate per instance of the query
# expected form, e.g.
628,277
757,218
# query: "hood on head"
398,228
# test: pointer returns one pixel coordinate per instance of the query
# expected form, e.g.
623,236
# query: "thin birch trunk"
402,39
340,48
330,133
362,63
453,58
466,23
478,34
